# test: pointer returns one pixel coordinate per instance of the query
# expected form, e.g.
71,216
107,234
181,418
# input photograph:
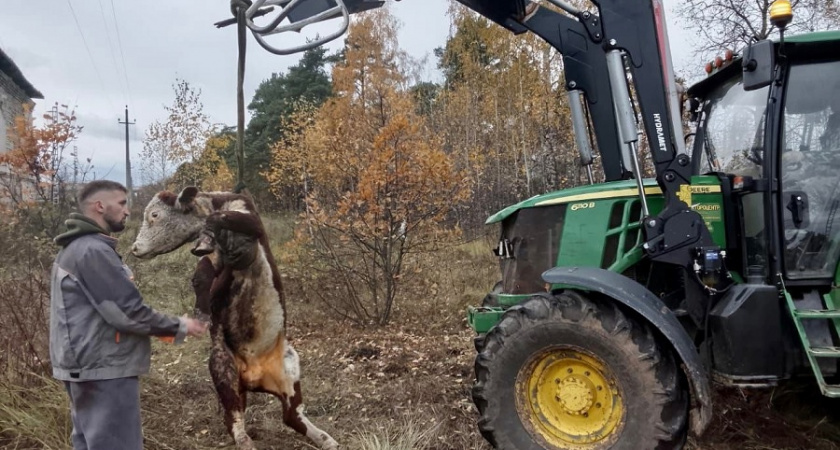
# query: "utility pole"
127,158
54,193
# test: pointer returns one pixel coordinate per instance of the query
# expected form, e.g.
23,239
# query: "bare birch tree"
733,24
179,141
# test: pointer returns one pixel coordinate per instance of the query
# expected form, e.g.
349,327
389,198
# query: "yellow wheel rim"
570,399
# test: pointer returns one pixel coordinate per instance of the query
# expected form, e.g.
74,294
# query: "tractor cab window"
734,130
734,144
810,169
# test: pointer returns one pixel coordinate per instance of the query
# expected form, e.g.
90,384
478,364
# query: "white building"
15,92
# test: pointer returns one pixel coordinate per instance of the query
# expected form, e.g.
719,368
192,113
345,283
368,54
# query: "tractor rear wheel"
567,372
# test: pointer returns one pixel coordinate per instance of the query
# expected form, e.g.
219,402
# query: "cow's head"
169,222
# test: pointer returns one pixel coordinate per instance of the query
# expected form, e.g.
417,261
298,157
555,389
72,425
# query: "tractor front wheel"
567,372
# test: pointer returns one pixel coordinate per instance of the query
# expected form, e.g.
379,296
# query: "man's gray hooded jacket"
99,325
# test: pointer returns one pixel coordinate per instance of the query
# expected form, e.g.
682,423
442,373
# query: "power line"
90,55
122,55
110,45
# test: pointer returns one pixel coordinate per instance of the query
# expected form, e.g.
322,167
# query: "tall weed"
24,303
35,415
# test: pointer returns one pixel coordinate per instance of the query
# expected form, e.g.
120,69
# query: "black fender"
636,297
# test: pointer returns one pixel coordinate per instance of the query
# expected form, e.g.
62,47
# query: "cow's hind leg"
229,388
283,380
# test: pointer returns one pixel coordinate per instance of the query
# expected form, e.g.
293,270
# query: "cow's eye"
155,215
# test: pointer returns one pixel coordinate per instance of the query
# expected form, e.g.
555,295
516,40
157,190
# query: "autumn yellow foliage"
378,184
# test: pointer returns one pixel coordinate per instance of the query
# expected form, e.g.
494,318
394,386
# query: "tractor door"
732,143
810,171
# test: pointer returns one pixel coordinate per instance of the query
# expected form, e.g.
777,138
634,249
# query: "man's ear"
186,199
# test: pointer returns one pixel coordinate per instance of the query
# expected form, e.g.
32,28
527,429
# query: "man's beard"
115,226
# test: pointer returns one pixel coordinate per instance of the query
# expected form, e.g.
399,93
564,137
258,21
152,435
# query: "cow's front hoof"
205,245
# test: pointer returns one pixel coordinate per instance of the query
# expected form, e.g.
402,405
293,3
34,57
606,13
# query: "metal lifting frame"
598,51
294,15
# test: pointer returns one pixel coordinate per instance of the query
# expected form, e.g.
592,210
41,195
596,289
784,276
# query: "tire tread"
670,430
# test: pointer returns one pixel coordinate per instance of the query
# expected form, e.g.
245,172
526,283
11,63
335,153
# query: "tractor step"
825,352
821,350
817,313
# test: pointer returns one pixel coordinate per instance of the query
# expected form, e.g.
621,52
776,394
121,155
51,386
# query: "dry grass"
402,387
408,435
35,415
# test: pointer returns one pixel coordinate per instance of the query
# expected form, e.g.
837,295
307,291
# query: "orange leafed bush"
379,186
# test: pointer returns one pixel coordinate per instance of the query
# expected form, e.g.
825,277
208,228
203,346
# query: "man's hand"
195,327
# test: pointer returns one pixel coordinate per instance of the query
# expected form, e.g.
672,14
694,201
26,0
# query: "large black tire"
611,374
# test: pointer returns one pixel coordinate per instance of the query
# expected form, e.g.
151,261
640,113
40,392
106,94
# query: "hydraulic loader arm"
579,40
636,29
597,48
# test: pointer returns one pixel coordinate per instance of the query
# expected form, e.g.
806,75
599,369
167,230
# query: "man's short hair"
98,186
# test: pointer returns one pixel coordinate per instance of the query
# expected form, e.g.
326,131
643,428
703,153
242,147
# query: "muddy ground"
359,383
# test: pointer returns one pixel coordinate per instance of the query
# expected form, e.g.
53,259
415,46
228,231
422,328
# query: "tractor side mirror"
758,65
798,207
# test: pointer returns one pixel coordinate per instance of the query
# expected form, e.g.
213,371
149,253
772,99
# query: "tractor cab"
800,149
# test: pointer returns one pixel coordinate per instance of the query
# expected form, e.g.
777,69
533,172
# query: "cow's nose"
134,249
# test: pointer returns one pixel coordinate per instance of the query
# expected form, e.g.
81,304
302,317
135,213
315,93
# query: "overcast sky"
100,55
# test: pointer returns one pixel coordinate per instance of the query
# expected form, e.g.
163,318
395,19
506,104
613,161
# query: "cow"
237,282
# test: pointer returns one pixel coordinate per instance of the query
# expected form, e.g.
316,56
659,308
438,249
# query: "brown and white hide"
237,283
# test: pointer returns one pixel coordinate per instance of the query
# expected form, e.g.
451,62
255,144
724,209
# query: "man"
99,325
830,139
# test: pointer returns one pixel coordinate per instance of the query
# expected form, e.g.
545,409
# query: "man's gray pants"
106,414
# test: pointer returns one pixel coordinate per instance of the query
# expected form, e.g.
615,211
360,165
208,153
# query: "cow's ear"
186,199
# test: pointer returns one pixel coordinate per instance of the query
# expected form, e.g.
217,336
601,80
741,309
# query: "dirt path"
361,383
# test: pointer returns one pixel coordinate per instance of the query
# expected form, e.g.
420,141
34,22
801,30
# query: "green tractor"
620,301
